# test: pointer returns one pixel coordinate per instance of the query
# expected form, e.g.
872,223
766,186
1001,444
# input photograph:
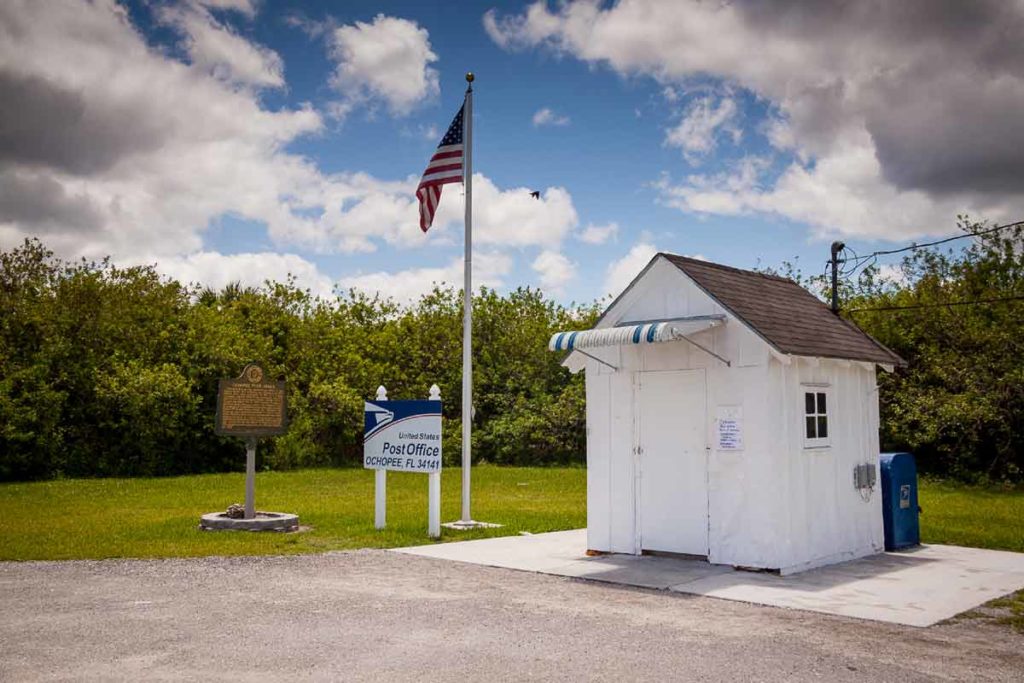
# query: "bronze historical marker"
251,406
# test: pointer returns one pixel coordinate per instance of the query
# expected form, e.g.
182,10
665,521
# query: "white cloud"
698,130
893,273
244,7
118,149
216,48
555,271
620,273
841,194
359,210
216,270
899,115
780,134
148,148
407,286
111,147
547,117
511,217
598,234
721,193
386,60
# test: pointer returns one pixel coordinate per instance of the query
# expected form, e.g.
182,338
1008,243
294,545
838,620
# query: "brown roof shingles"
783,313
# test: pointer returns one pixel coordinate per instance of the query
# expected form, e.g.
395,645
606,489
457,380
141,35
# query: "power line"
937,305
847,272
851,266
979,233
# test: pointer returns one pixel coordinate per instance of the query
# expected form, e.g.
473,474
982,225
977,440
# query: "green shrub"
107,371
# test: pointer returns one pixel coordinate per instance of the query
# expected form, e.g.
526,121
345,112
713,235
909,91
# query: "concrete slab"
917,588
920,587
563,553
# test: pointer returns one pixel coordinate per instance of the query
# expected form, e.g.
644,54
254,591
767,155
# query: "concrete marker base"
263,521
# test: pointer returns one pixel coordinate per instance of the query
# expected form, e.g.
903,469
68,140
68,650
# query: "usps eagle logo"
380,417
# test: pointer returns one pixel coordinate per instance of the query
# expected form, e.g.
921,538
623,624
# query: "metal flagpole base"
466,525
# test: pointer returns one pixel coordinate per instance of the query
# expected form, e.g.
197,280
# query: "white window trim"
809,388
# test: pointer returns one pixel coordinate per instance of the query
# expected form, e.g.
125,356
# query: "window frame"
817,442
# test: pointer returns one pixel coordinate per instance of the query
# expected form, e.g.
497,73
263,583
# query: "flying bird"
535,194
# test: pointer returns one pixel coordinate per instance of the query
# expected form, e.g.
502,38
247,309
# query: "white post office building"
732,416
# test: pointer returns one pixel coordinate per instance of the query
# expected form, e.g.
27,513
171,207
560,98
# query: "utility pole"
836,248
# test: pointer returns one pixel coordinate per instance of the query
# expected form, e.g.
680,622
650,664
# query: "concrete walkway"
918,588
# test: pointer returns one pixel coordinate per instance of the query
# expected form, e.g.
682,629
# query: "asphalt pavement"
375,615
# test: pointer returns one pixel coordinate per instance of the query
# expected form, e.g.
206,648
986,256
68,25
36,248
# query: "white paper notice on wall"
729,420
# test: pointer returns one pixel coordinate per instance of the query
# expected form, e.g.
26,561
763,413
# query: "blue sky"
232,139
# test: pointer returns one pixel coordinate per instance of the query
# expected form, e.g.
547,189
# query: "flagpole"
466,521
467,305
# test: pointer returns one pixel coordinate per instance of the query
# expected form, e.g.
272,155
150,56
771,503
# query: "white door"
672,489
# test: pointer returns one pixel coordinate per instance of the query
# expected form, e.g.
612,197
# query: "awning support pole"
609,365
707,350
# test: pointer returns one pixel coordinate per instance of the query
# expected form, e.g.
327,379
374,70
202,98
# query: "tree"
959,403
107,371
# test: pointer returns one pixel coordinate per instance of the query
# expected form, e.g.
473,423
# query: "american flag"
444,167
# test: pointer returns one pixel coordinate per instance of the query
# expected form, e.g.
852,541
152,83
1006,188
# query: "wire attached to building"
851,265
859,261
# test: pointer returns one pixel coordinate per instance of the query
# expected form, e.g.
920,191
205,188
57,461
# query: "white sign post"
404,436
434,478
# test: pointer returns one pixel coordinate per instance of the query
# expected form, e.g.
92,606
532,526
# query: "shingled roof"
783,313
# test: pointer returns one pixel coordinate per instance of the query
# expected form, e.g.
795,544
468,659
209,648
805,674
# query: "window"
816,418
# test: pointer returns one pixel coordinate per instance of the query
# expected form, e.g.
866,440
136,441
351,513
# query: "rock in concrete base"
263,521
463,525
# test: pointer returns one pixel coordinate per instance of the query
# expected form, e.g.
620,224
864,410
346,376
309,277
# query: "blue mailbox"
899,501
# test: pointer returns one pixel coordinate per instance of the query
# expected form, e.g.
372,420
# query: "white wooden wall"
772,505
829,520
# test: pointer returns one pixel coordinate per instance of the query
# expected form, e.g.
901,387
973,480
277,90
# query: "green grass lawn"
98,518
955,514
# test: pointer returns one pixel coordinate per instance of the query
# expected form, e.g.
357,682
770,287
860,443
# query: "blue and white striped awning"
648,332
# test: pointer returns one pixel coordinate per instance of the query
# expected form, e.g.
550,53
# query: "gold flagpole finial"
469,77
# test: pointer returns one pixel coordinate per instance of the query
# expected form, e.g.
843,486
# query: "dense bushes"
955,313
959,403
107,371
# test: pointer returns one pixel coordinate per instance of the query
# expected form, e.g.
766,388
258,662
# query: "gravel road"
374,615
